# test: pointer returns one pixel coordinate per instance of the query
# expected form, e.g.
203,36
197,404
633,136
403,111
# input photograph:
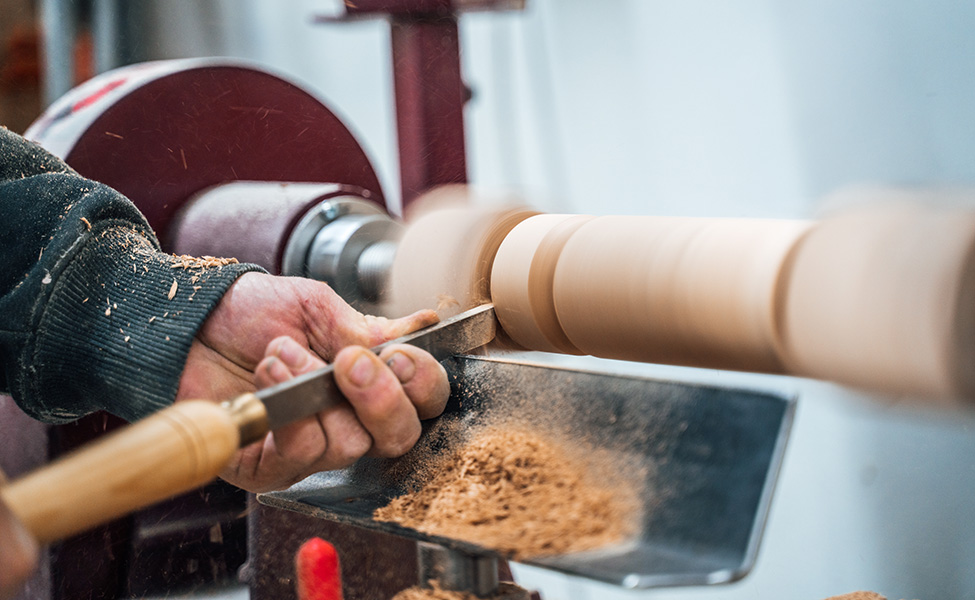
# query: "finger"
332,439
422,377
347,440
18,554
290,454
251,467
299,359
283,359
379,401
242,468
290,451
271,371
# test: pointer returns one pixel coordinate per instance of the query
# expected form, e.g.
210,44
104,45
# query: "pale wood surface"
883,297
701,292
444,258
878,297
522,281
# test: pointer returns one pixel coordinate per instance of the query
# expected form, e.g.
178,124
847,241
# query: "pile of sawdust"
506,591
513,592
518,492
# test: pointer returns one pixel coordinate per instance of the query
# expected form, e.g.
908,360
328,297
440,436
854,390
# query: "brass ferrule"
249,413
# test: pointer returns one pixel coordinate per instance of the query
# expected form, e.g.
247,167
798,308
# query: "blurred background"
754,108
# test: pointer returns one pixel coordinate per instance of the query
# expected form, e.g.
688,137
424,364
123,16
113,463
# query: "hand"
18,553
268,329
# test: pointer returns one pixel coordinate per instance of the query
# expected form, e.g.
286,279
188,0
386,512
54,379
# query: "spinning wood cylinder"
444,258
880,298
884,298
703,292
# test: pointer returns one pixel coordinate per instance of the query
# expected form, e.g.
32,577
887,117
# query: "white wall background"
691,107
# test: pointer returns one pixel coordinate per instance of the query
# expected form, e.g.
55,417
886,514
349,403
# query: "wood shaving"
172,289
446,301
87,223
185,261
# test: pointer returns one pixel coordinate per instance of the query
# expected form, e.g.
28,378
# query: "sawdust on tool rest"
506,591
416,593
519,492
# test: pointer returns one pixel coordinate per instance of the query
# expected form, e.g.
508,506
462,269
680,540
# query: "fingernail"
363,370
402,366
278,370
292,354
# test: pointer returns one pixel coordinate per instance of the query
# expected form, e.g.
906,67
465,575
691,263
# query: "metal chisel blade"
315,391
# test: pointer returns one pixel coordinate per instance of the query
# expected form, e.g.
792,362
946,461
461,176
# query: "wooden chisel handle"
175,450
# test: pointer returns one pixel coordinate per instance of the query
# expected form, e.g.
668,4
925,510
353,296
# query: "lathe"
228,160
719,293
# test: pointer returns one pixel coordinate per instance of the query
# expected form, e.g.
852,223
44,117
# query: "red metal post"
430,97
430,93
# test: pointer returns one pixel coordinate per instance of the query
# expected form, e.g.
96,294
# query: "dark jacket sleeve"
93,316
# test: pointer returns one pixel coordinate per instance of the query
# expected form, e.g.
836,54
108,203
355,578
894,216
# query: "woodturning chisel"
186,445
